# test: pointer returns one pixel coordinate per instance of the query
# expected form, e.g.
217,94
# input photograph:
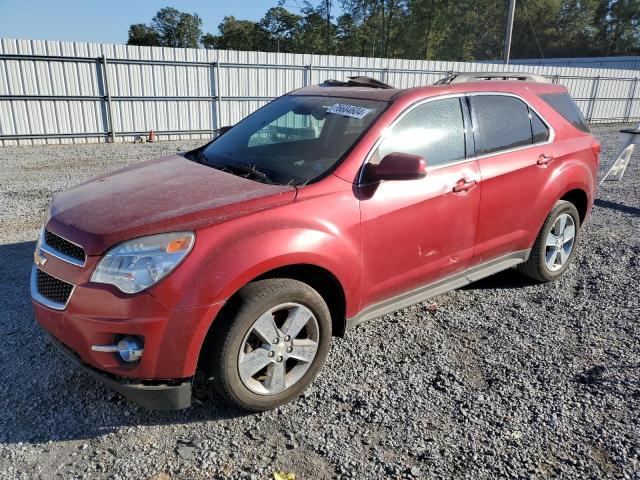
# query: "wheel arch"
573,182
319,278
579,198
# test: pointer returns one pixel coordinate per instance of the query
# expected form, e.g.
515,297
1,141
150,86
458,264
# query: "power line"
533,30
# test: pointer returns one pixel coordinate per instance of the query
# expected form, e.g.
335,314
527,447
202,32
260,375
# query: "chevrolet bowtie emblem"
38,258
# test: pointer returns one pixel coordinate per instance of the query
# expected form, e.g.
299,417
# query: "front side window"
500,123
294,139
433,130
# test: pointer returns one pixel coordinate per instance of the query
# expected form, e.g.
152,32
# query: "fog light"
130,348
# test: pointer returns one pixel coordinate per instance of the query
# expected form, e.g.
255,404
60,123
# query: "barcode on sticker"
347,110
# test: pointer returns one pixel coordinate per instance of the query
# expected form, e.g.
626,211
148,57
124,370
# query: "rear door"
418,231
514,151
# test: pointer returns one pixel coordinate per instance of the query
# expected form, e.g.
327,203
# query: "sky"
108,21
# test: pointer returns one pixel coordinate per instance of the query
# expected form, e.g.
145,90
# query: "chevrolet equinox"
330,205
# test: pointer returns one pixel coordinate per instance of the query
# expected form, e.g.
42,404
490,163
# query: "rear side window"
500,123
539,130
565,106
434,130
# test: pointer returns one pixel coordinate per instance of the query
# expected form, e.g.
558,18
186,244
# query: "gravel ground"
503,378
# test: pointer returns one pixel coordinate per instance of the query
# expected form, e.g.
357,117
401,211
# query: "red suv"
330,205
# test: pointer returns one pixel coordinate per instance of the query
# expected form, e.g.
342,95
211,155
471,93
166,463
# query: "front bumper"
100,314
157,396
80,314
96,314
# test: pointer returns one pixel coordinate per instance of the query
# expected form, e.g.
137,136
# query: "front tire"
271,344
555,245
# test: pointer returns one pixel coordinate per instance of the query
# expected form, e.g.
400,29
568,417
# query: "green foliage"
317,33
177,29
169,28
281,27
618,26
461,30
141,34
240,35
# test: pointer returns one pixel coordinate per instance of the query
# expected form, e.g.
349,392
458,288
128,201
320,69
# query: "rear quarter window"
565,106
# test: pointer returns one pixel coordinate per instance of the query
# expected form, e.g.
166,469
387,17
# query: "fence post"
592,99
105,79
308,70
632,94
385,75
216,94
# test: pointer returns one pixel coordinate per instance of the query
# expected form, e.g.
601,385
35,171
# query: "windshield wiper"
196,156
244,170
250,170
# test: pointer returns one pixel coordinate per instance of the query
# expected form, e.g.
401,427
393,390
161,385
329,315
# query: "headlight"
137,264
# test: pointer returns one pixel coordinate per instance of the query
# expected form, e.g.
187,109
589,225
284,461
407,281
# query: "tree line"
460,30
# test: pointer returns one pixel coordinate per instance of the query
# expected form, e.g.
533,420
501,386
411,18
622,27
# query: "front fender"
227,256
222,264
249,258
321,228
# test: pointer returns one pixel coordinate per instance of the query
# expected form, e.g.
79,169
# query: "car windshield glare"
294,139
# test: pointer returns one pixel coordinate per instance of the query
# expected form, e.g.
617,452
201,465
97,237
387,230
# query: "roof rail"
357,81
484,76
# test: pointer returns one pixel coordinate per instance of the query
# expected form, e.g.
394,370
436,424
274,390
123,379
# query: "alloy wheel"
278,349
560,242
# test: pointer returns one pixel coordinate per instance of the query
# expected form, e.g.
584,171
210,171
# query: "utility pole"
509,32
327,6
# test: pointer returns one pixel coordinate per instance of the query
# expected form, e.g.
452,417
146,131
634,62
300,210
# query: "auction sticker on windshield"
347,110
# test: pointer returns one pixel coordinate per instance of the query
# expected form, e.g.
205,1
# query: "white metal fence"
627,63
62,92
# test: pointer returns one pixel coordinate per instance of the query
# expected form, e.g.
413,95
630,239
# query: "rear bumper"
156,396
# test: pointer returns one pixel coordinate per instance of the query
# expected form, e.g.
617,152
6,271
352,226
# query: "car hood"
167,194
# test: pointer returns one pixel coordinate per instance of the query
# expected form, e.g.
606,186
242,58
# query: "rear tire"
555,245
279,327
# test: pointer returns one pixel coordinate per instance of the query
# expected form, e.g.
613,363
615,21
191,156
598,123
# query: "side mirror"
397,166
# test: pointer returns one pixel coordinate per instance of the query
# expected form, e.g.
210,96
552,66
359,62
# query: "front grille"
64,246
52,288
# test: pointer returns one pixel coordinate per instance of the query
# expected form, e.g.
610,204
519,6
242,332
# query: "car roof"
392,94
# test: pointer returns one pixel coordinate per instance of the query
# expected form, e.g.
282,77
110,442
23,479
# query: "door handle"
544,159
463,185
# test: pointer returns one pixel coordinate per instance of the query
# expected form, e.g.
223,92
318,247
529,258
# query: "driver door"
416,232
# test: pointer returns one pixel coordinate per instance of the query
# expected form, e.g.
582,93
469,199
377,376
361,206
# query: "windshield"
292,140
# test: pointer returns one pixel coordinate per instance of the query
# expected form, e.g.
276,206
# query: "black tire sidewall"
253,303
